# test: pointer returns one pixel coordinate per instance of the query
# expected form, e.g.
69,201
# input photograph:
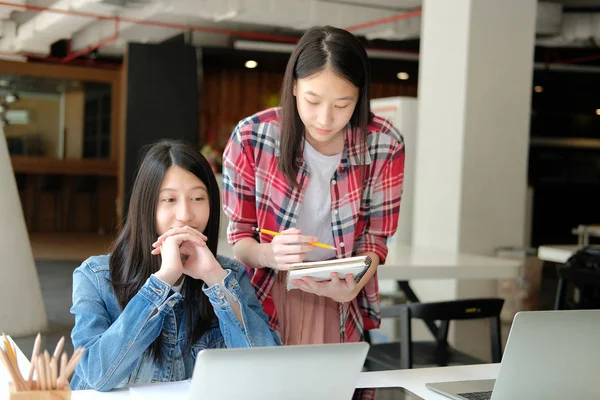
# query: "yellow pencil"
10,350
273,233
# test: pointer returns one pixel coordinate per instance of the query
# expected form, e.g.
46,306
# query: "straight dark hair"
131,261
318,49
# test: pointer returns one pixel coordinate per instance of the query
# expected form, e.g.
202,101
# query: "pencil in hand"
273,233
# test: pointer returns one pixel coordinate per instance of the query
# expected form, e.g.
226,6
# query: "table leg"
412,297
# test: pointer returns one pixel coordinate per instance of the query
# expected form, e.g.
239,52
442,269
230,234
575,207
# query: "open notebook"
321,270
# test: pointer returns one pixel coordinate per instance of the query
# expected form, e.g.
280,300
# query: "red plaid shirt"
256,193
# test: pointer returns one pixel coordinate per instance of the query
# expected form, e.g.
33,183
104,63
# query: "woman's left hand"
340,290
199,262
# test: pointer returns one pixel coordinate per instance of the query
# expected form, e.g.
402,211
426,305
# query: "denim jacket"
117,341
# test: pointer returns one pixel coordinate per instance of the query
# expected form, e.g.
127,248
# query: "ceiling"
221,22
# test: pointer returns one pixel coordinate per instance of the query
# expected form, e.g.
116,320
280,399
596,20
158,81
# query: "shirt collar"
352,154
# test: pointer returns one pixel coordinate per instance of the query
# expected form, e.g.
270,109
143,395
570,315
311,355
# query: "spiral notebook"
321,270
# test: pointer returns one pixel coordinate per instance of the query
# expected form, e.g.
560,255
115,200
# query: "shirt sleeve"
384,206
239,201
255,330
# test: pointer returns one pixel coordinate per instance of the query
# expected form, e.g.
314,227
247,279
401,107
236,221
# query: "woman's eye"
311,103
198,198
341,106
169,200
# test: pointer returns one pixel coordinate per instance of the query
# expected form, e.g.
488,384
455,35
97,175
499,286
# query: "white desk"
557,253
413,379
406,263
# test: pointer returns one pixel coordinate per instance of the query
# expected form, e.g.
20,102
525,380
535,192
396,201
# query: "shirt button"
342,244
335,212
220,294
171,303
333,182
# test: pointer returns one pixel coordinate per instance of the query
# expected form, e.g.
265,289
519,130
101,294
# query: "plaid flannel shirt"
364,214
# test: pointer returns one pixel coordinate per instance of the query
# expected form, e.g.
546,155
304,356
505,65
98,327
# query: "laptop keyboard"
477,395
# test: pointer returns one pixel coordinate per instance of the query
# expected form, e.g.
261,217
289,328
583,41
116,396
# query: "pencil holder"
64,394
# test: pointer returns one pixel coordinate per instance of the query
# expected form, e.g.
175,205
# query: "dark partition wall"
162,100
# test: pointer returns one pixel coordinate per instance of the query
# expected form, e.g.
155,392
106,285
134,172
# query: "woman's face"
183,200
325,103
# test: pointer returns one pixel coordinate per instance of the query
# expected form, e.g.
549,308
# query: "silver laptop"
325,371
549,355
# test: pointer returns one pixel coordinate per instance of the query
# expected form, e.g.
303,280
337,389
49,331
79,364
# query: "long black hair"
318,49
131,261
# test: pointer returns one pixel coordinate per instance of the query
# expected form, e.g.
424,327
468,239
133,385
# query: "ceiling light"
4,83
403,76
538,89
598,111
251,64
12,97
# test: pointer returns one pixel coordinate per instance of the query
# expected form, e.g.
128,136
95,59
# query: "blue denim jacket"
116,340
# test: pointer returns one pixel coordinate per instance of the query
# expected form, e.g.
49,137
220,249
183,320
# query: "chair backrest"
579,277
587,280
457,309
446,311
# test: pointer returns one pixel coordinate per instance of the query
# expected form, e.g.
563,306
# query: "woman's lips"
323,131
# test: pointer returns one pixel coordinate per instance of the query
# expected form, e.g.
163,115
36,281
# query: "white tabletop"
413,379
557,253
406,263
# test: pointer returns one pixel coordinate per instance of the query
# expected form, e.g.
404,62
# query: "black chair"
407,353
586,281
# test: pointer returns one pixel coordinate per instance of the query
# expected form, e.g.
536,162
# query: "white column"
21,306
475,82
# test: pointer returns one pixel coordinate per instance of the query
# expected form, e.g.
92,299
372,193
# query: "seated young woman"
143,312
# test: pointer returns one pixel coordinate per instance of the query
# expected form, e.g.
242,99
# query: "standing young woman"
321,168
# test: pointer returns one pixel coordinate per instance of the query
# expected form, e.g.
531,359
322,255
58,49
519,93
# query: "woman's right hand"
288,248
174,251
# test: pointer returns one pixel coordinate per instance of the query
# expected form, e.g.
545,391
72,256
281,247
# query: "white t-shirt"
314,216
